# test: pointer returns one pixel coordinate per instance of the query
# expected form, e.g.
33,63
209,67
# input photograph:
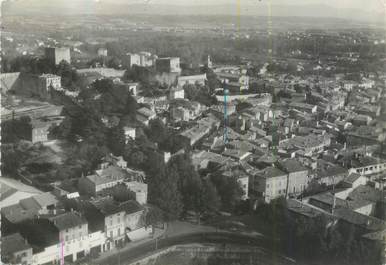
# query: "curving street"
128,256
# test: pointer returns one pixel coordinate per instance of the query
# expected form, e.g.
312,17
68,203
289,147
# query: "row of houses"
74,226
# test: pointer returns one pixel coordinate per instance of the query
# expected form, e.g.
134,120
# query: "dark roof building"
68,220
291,166
15,250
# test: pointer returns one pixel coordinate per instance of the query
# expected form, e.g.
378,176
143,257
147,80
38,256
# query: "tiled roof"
366,193
16,213
270,172
351,178
292,165
45,199
68,220
107,206
367,222
302,209
13,243
131,206
328,199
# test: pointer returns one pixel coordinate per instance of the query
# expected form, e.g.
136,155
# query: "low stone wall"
153,257
223,252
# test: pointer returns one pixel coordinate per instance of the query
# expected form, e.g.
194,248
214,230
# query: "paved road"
133,254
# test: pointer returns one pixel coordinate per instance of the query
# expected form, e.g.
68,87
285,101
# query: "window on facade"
66,238
119,231
111,234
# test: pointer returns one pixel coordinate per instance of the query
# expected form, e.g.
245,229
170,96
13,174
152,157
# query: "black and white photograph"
193,132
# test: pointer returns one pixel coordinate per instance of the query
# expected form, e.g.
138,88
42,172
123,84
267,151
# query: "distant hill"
76,7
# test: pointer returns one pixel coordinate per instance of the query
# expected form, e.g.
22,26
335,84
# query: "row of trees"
176,188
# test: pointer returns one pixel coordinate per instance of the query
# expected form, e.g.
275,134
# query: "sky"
363,8
357,4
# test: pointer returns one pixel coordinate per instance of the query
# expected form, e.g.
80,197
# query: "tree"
229,190
283,94
209,200
68,75
137,158
157,132
154,163
70,204
163,192
103,86
189,182
121,193
154,216
131,106
88,155
114,62
117,140
212,82
64,130
190,187
138,74
11,159
199,93
15,130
